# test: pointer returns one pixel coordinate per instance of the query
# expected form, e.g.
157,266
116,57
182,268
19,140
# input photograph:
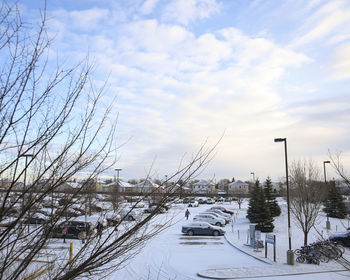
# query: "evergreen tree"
258,210
252,212
334,204
275,209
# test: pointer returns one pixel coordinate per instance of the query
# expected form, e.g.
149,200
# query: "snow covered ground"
172,255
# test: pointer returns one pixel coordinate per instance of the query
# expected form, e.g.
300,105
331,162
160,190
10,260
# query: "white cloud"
328,20
148,6
340,62
82,19
186,11
151,36
175,87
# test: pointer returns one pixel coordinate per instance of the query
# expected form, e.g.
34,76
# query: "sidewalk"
236,235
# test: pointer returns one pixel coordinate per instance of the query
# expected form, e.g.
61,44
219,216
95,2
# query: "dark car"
342,238
202,228
186,200
35,220
75,230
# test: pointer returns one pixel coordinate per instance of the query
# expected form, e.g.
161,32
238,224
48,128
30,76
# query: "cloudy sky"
186,71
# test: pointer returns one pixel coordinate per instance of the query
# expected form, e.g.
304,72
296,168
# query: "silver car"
209,218
227,219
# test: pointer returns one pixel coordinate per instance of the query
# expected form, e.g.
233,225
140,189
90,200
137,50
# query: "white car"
210,201
220,212
211,219
193,204
220,215
223,209
128,214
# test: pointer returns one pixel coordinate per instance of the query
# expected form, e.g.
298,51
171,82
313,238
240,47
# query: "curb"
201,274
247,253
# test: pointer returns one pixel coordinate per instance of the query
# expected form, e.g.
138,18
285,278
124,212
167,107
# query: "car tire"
218,224
215,233
131,218
190,232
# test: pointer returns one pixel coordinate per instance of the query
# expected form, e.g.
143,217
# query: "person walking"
65,231
187,214
99,229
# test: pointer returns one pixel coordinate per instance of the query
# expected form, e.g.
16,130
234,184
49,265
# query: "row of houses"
147,186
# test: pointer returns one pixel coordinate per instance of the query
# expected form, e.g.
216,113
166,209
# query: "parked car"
201,200
165,206
12,212
151,208
342,238
210,201
226,215
178,201
223,209
195,203
130,215
112,218
201,228
139,204
209,218
75,230
218,214
35,220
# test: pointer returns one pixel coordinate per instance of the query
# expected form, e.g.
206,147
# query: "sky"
186,72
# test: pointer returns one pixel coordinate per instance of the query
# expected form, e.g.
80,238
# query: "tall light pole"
117,194
24,184
290,254
252,173
328,224
324,170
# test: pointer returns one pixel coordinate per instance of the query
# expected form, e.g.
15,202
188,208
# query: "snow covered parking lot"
172,255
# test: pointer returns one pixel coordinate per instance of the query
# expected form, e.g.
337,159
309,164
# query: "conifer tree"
258,210
275,209
253,204
334,204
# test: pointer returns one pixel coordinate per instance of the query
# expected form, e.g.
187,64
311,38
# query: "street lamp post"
324,170
252,173
24,183
117,194
328,223
290,253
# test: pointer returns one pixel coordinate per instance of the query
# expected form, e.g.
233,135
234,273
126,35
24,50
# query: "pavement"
236,235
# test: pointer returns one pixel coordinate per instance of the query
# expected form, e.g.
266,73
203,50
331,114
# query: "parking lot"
173,255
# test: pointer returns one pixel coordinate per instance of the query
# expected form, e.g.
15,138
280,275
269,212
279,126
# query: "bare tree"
240,199
51,128
306,195
337,164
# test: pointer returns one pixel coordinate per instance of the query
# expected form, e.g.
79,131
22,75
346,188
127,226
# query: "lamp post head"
280,139
326,161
